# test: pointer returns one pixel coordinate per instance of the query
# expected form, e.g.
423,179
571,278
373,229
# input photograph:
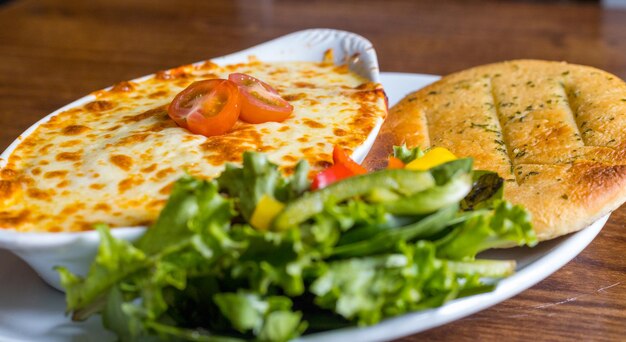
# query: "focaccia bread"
113,160
556,132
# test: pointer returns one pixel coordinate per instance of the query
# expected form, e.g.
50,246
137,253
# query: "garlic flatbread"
556,132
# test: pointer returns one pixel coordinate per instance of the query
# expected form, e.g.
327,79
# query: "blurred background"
54,51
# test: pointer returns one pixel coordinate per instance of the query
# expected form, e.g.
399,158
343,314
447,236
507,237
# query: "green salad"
355,252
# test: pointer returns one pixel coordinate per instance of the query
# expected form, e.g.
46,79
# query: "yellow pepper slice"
265,211
435,156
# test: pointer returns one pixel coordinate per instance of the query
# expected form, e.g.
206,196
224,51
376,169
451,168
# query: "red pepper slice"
341,157
330,175
342,168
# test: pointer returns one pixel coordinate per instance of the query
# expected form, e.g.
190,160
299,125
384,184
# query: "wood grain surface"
53,52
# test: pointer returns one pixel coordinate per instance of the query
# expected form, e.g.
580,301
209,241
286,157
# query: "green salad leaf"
259,177
115,260
368,289
356,252
407,155
504,226
271,318
487,188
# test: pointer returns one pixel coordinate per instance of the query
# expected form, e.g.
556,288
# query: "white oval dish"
43,251
24,298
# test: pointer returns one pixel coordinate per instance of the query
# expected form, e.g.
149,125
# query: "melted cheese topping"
114,159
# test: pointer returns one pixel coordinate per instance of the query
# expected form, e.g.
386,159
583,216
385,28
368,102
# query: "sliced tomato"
341,157
259,101
395,163
209,107
331,175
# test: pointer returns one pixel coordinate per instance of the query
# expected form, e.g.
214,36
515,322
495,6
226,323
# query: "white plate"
32,311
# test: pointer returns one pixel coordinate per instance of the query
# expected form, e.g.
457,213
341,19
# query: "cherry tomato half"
259,101
209,107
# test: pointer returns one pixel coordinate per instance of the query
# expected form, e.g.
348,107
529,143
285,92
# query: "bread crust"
556,132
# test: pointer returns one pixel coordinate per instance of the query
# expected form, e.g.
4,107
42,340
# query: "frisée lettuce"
360,250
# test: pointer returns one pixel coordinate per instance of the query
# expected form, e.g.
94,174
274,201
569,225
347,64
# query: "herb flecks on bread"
555,131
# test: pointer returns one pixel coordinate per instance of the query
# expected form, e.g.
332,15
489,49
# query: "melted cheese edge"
114,159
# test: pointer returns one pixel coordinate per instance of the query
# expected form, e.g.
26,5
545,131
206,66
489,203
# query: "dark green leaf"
487,188
386,240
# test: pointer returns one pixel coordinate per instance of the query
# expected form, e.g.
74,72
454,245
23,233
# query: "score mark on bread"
555,131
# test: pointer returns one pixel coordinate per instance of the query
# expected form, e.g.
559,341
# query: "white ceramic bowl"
43,251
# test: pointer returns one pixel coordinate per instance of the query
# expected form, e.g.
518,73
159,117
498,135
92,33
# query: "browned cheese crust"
114,160
556,132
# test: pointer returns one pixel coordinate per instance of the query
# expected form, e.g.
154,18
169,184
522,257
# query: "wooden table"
52,52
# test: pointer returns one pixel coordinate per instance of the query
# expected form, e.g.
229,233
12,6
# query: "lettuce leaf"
115,260
258,177
194,205
270,318
281,268
368,289
505,226
407,155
